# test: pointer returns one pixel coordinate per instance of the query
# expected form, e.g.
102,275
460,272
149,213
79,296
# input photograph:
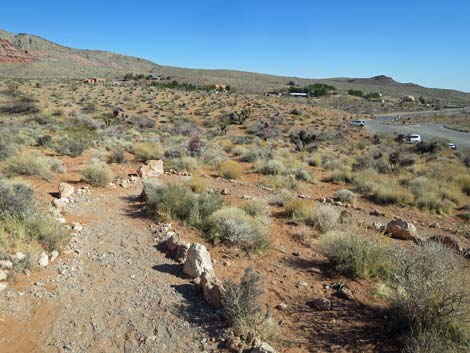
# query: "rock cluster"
153,168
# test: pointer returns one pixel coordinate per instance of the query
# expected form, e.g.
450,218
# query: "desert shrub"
355,255
97,174
326,218
6,150
464,182
271,167
302,138
57,166
197,184
147,151
345,195
256,208
195,146
117,155
44,141
304,175
173,201
142,122
432,295
390,193
231,169
314,160
301,210
233,225
339,176
187,164
70,146
28,163
240,302
19,107
21,219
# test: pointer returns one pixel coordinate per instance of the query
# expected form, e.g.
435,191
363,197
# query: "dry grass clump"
233,225
148,150
231,169
97,174
187,164
256,208
340,175
271,167
197,184
301,210
118,156
355,255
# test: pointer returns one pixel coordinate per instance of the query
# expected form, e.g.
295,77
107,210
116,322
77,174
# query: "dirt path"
113,293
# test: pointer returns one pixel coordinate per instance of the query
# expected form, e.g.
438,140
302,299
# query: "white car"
414,138
359,123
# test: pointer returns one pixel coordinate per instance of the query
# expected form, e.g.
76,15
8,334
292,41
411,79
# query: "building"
95,81
298,95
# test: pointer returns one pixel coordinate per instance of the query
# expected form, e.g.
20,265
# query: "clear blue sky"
426,42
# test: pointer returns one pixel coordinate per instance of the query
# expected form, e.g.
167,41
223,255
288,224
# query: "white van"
359,123
414,138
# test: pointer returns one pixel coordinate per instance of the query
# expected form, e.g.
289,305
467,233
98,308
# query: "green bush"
72,147
97,174
356,256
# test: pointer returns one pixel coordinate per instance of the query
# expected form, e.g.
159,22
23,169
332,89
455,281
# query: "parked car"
452,146
359,123
413,138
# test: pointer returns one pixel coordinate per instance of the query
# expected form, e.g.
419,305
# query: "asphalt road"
381,125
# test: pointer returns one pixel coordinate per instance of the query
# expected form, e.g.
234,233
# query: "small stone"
18,257
3,286
3,275
43,260
76,226
125,183
320,304
296,253
54,255
281,306
65,190
61,220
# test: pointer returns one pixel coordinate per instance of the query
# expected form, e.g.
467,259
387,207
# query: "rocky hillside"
29,56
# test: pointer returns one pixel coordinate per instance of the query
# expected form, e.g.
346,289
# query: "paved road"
381,125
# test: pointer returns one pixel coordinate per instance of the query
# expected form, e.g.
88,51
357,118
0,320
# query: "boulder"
60,203
6,265
3,286
400,229
43,260
182,252
172,241
65,190
3,275
198,261
18,257
76,226
54,255
212,289
262,347
379,227
152,168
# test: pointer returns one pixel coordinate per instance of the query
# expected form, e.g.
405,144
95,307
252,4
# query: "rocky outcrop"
11,54
65,190
212,289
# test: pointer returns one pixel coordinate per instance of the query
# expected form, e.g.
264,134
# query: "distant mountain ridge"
29,56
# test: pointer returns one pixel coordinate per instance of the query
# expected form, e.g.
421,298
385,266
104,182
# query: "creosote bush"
231,169
97,174
355,255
